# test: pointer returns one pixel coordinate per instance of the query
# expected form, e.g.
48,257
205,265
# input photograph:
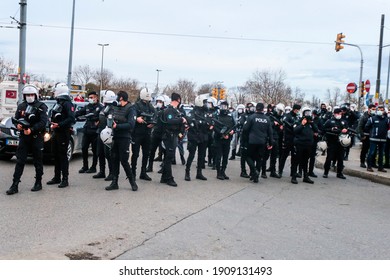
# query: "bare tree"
129,85
185,88
299,96
6,67
268,87
239,95
106,77
83,74
335,97
205,88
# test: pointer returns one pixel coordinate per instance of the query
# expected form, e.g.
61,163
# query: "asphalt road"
231,219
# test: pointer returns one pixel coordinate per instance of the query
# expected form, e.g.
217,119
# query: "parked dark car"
9,137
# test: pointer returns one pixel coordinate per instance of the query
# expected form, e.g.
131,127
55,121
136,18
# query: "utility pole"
101,68
22,48
378,79
69,83
158,72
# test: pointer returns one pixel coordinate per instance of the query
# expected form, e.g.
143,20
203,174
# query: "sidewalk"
352,168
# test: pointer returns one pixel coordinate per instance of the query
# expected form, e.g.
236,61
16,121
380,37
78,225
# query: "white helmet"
322,146
199,101
212,100
167,100
60,89
106,136
345,140
145,94
287,109
329,108
161,98
279,108
305,112
108,96
30,89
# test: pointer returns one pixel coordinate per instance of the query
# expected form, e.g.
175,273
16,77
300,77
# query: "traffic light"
222,94
214,93
339,41
362,89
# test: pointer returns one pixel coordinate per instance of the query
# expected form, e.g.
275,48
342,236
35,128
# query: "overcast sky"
204,41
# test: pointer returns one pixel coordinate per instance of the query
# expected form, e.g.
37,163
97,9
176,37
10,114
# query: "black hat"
175,96
371,106
296,107
337,111
259,106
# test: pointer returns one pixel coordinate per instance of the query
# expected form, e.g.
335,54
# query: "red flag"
10,94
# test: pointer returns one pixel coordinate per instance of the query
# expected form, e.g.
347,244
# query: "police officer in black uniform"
156,138
222,139
123,124
258,129
90,136
104,149
198,134
30,119
304,132
288,138
62,119
173,122
250,109
333,127
142,132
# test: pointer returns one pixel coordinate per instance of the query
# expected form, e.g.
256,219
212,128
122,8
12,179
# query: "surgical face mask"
373,111
158,105
379,113
240,111
30,99
91,101
337,117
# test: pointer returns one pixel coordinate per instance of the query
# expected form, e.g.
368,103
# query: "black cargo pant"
120,153
140,141
60,146
154,144
192,146
89,139
222,150
302,159
33,143
334,152
170,141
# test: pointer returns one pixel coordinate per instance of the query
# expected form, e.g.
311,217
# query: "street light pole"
360,89
101,68
388,75
158,74
71,48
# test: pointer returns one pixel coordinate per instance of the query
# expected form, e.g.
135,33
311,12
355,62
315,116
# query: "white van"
8,98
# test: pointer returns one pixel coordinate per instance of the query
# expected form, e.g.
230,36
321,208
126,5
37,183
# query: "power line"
189,35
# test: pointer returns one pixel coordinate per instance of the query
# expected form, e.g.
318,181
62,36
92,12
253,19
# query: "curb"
374,177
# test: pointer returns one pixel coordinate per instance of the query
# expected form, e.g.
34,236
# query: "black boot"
244,174
144,176
64,183
306,179
224,174
54,181
294,180
187,176
220,175
113,185
14,188
37,186
274,175
255,176
99,175
109,177
133,184
233,157
199,175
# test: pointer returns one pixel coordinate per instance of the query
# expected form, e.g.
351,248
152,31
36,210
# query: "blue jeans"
371,153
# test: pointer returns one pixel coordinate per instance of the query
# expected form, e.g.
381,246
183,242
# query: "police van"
8,98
